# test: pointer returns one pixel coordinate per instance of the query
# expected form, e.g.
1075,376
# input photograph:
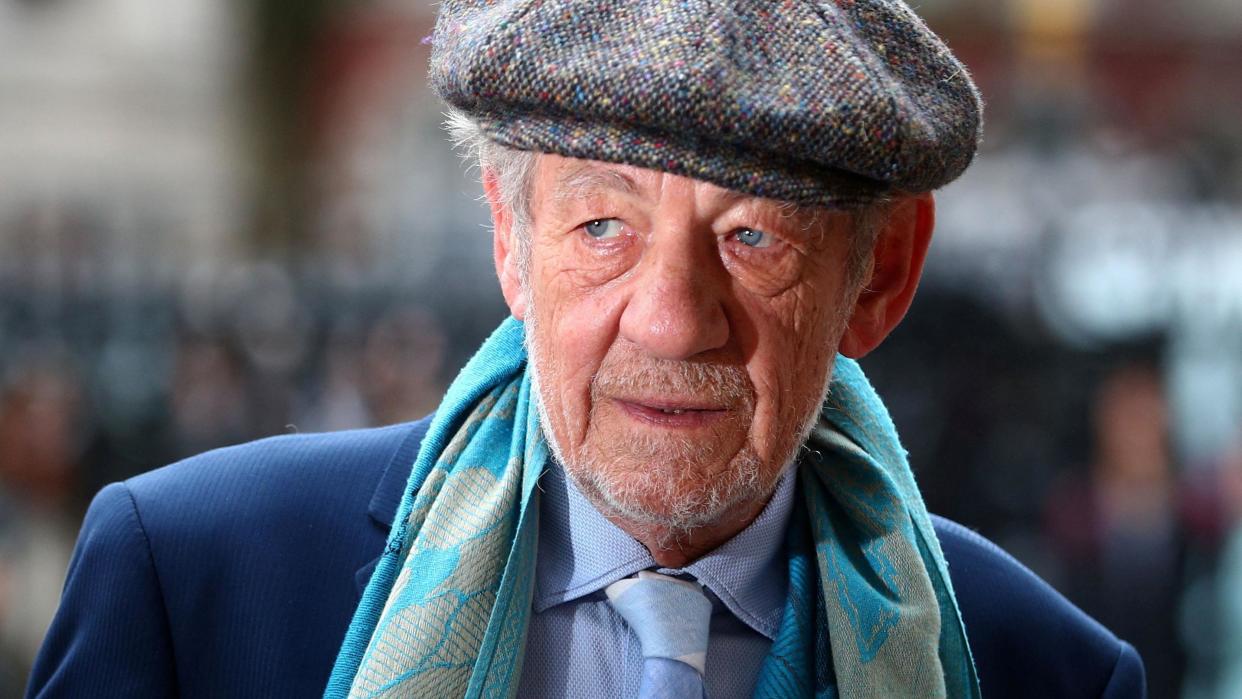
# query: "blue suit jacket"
235,574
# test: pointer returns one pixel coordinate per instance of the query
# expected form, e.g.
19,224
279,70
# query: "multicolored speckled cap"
831,103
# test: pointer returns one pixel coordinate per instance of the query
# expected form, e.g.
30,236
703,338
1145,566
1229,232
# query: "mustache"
727,384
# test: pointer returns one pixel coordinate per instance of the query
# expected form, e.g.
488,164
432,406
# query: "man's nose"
677,307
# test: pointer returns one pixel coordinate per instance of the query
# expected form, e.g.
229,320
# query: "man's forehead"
572,179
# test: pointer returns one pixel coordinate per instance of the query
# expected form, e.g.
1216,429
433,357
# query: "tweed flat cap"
830,103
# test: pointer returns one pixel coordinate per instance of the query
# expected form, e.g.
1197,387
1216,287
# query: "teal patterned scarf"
870,612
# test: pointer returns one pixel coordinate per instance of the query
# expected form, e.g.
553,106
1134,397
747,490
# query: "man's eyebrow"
586,179
805,218
591,178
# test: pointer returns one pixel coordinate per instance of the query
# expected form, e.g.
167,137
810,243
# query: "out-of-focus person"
1117,528
41,442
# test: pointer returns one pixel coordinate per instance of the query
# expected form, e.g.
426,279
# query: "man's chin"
678,500
633,508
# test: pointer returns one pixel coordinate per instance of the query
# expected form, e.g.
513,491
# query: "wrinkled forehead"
562,181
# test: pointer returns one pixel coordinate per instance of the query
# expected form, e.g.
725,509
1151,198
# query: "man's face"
682,336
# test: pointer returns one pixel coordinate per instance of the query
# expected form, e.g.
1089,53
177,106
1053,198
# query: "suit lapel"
387,496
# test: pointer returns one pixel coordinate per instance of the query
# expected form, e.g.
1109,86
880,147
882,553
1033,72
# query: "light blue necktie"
671,619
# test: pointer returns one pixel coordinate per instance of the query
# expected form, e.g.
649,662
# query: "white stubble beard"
621,495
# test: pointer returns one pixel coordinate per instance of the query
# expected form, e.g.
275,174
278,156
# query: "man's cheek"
586,329
565,385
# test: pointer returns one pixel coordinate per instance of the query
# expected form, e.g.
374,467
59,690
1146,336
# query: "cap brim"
723,164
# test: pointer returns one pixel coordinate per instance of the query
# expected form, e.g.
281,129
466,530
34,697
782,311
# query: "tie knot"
671,617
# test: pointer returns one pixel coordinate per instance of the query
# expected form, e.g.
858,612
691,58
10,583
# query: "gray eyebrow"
588,178
591,178
805,217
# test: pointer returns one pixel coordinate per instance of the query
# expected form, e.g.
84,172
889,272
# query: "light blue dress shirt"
577,646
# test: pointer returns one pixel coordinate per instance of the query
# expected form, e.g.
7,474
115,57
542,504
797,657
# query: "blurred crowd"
211,240
96,389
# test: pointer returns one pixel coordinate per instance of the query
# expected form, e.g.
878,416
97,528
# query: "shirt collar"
581,552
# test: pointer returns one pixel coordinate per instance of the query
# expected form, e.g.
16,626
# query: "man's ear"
896,266
504,248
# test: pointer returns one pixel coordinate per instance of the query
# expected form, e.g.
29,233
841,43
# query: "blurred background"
222,220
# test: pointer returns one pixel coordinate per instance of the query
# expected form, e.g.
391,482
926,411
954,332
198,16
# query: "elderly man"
665,475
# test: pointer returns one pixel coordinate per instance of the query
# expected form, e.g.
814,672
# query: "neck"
676,548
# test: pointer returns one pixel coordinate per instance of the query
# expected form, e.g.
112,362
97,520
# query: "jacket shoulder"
259,543
108,637
1027,639
228,511
271,480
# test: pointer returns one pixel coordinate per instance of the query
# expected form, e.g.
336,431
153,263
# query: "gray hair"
514,170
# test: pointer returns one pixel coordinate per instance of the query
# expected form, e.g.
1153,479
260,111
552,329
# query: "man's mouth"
677,413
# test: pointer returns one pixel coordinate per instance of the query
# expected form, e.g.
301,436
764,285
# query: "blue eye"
753,238
603,228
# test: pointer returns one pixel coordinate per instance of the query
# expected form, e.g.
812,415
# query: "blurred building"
120,144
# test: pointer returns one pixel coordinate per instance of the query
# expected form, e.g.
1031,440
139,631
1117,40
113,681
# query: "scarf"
870,611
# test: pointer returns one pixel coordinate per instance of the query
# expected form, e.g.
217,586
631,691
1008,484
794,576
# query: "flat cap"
831,103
